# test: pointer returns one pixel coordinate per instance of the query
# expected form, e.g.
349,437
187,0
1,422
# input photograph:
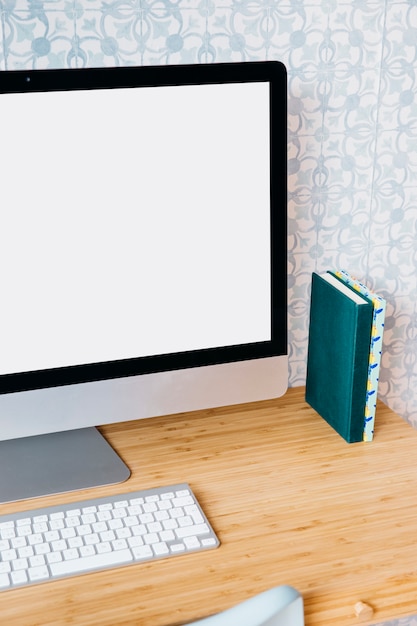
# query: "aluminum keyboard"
87,536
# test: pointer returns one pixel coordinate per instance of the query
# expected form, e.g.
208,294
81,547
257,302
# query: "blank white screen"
134,222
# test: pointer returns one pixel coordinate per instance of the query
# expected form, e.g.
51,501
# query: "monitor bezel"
272,72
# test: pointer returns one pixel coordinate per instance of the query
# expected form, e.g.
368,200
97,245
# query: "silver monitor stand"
56,463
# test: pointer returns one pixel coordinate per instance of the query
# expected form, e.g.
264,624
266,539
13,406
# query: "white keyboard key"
4,581
208,542
103,547
151,538
25,521
123,533
142,552
105,507
42,548
27,551
192,542
5,567
135,510
18,542
19,577
56,524
194,512
119,544
177,547
160,548
161,515
38,573
134,542
139,531
164,505
8,533
182,492
114,524
59,546
9,555
150,507
108,535
170,524
169,495
71,553
189,531
121,504
85,529
37,560
89,509
91,540
91,562
19,564
66,533
75,542
54,557
34,539
153,498
167,535
132,520
183,501
100,527
87,551
137,501
104,516
57,515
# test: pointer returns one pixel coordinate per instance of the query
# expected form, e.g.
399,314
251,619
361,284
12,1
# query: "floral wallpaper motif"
352,141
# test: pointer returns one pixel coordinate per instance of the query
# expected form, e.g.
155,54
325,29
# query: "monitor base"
43,465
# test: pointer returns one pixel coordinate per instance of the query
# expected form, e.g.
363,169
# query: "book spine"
375,350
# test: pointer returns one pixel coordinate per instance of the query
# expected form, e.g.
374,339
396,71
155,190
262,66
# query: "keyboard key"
192,542
177,547
91,562
160,548
19,577
4,581
142,552
38,573
189,531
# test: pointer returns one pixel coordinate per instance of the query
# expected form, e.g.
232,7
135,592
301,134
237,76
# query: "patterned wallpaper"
352,69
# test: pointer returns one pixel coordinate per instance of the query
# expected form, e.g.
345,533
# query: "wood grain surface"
291,502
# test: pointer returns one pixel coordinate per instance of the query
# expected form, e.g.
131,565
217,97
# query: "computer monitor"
143,254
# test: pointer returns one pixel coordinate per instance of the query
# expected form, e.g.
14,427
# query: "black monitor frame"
133,77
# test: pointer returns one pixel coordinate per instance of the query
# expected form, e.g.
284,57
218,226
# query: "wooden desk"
291,503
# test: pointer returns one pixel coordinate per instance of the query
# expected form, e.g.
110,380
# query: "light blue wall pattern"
352,70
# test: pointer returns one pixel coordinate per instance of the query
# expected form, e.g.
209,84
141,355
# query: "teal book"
338,355
375,353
